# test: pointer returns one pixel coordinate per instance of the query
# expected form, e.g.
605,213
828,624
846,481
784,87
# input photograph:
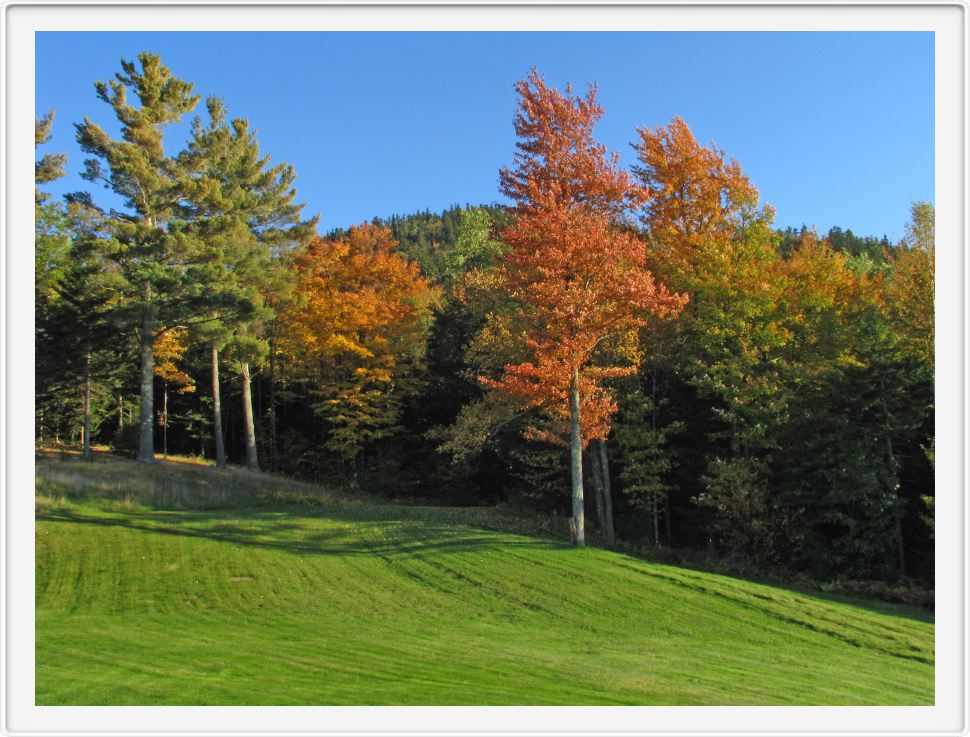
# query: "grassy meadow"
180,584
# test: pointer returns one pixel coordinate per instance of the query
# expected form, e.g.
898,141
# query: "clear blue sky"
833,128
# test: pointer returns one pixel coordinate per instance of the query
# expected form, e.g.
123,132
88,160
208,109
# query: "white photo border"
21,20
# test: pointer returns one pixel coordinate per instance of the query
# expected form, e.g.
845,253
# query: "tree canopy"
638,342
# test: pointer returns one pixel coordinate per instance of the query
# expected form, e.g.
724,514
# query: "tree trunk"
273,461
259,398
577,524
121,413
656,502
146,439
165,419
607,493
667,525
592,458
86,439
252,460
217,411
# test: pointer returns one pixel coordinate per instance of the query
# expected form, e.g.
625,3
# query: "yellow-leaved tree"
169,348
356,333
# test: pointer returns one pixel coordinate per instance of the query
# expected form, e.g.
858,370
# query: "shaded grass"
148,594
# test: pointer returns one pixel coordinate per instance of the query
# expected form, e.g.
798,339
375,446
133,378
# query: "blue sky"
833,128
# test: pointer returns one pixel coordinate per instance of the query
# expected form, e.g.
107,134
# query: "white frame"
19,716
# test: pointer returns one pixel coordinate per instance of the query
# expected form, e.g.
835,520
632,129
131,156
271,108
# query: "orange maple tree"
577,275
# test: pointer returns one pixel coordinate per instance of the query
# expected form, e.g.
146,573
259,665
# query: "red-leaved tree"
576,273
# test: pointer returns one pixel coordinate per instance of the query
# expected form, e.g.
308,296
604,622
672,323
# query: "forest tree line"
640,350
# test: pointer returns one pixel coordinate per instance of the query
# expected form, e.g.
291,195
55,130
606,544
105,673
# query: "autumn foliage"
577,274
763,392
356,331
579,280
692,192
169,349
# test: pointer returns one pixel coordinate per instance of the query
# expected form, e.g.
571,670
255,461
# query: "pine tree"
244,208
51,166
71,298
163,281
642,443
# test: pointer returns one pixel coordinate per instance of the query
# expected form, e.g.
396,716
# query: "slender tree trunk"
656,502
252,460
165,419
577,524
259,398
667,519
146,440
217,411
273,461
592,459
607,493
121,413
86,439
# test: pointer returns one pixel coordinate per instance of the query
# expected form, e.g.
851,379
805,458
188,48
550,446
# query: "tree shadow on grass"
194,501
383,538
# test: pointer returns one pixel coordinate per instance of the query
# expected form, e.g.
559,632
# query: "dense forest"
641,352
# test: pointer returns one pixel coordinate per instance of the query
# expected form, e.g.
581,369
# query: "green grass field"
180,584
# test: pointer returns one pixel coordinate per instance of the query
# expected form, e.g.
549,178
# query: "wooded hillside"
640,350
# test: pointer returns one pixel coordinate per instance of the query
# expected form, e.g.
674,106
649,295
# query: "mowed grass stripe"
361,603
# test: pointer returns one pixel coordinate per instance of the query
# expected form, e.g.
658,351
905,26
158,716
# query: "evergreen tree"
165,274
708,238
643,445
244,208
50,167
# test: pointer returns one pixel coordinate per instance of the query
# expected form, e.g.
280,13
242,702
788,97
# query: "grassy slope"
350,602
